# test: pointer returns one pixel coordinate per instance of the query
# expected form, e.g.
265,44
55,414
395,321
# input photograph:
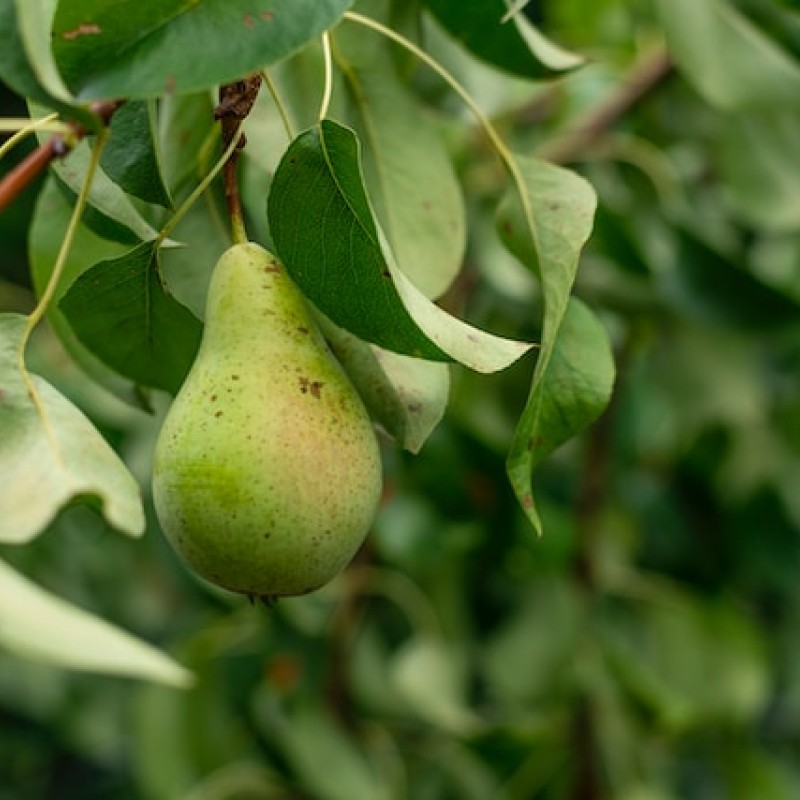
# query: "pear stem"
235,102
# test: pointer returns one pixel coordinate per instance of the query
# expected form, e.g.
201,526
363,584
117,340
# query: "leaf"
753,153
327,760
50,220
130,158
51,455
549,242
26,60
571,394
726,58
514,46
105,197
529,655
120,310
35,624
137,49
406,396
408,172
689,663
430,679
325,233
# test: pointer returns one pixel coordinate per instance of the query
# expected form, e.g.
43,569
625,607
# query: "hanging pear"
267,472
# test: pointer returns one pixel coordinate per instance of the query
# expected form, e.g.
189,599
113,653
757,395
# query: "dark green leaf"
122,313
324,231
26,63
51,455
549,241
130,158
146,48
408,171
514,46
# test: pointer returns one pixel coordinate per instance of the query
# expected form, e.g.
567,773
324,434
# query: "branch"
235,102
645,75
57,146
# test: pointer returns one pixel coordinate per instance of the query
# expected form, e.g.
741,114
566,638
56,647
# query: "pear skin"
267,472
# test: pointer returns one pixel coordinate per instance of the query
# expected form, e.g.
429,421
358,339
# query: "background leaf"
323,229
730,61
51,455
759,188
121,311
137,49
38,625
514,46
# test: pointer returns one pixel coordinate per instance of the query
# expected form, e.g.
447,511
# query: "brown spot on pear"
294,464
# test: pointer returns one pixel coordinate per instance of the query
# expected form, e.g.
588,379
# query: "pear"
267,472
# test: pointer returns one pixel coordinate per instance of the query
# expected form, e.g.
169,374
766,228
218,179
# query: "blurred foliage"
644,649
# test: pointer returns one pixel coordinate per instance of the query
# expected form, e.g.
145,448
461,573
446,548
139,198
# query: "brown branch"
645,75
58,146
235,103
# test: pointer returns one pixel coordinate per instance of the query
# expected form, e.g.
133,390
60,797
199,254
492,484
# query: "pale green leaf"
406,396
327,759
729,60
429,677
547,233
38,625
753,154
52,455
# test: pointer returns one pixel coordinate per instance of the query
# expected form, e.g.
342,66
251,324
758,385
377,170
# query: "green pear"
267,472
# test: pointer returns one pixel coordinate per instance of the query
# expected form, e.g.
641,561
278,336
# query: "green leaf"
120,310
51,455
325,233
690,663
428,676
514,46
26,64
408,172
730,61
571,394
137,49
549,241
105,198
753,154
406,396
38,625
530,653
327,760
130,157
49,224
